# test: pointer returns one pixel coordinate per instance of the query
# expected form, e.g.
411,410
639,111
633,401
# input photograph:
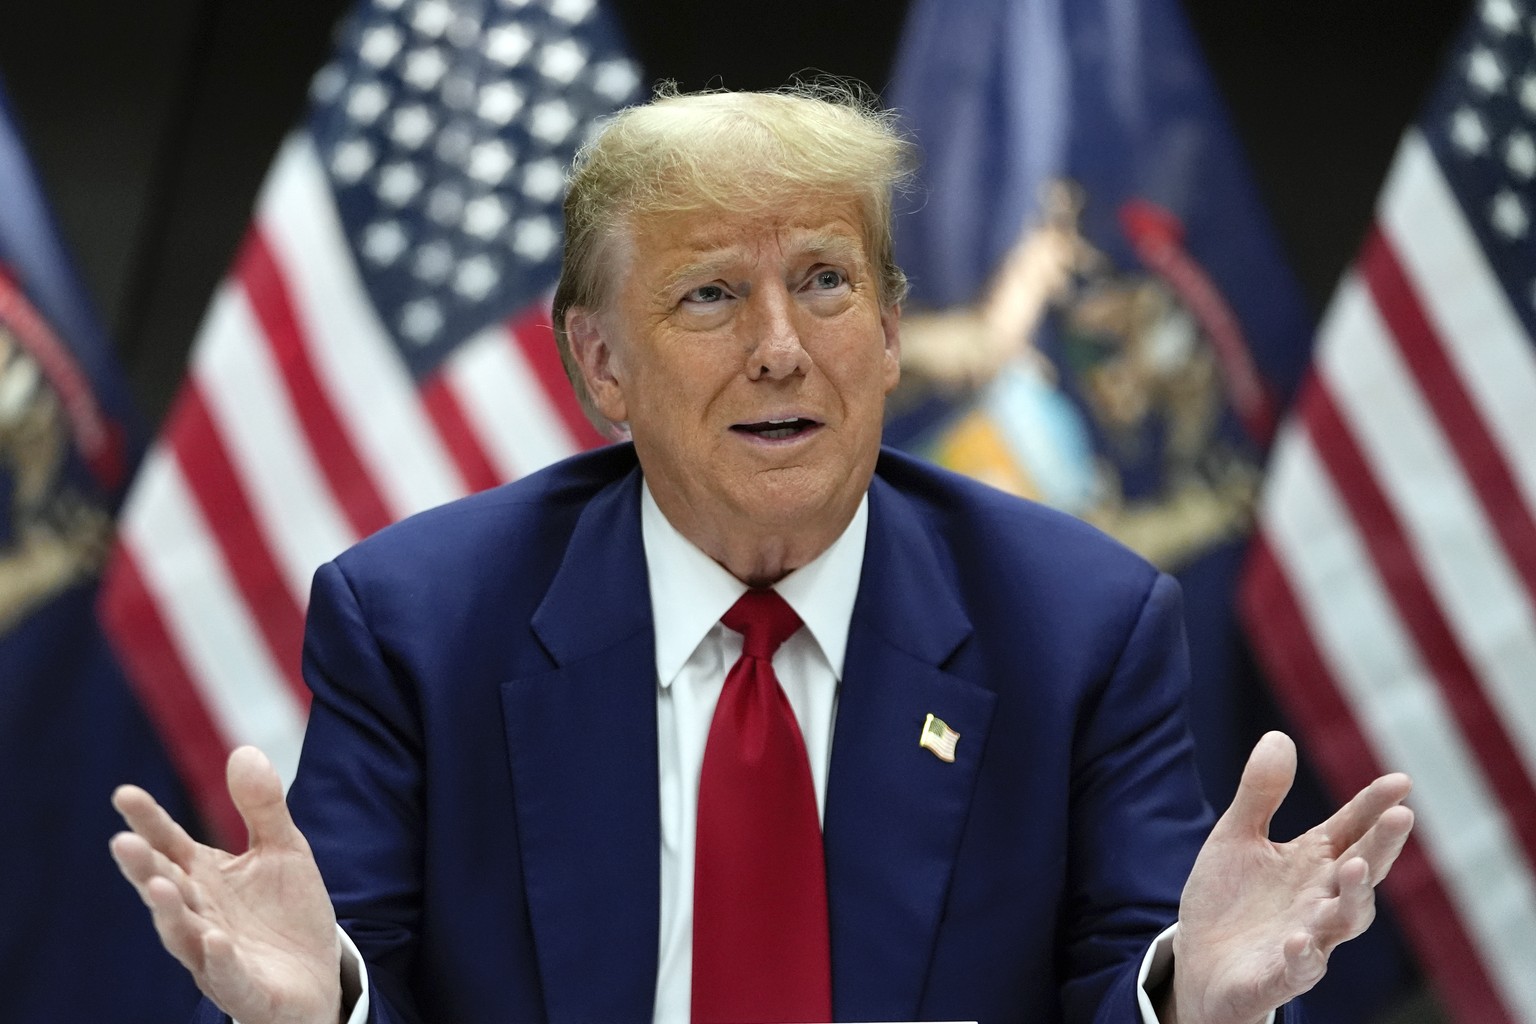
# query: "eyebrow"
711,265
838,247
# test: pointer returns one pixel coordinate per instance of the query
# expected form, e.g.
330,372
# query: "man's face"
751,359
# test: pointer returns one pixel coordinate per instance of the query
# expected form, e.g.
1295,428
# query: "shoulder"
974,518
1004,552
510,528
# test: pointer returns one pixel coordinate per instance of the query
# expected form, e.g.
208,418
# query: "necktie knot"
764,620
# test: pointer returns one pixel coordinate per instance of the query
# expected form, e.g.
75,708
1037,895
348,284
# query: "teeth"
791,419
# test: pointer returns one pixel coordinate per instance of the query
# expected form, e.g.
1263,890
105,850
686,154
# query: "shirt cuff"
1156,966
353,970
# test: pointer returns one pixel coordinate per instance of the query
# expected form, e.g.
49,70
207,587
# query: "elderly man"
748,719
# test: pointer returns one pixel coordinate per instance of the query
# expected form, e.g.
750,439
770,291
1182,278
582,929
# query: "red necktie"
761,951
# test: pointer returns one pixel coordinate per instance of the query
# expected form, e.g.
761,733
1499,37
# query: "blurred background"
1216,171
153,123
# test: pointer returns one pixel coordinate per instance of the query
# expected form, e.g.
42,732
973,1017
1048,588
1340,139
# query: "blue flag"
75,942
1101,319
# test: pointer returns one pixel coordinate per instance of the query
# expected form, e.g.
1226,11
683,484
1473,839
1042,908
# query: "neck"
755,554
761,565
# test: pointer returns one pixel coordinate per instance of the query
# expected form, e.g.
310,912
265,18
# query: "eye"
707,294
828,278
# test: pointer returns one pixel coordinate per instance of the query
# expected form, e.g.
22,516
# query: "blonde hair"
728,151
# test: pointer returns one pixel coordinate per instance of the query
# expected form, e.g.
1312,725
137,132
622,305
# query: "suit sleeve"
358,794
1138,816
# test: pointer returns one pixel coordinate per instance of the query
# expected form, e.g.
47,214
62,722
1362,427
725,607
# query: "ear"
890,324
593,347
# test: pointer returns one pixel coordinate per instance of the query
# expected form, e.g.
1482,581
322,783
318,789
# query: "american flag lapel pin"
938,739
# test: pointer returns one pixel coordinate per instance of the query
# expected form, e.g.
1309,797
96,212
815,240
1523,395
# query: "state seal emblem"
1125,396
54,526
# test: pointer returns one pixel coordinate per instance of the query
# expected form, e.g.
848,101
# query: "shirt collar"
690,590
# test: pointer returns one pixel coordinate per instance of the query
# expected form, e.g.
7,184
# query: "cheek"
871,372
675,402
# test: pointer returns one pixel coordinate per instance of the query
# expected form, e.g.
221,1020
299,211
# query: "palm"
1258,919
256,930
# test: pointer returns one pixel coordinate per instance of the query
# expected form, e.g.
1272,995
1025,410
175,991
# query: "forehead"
663,244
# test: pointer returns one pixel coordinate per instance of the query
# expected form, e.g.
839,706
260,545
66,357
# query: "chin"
801,503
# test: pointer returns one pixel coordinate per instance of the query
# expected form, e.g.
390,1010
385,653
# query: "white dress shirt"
689,594
694,651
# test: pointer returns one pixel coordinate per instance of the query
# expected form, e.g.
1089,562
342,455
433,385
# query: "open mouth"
777,430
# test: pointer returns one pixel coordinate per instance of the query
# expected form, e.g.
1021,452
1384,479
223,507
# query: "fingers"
1351,911
1352,821
257,793
1266,780
1355,906
222,971
1342,918
1305,965
164,889
150,820
141,864
1382,843
138,861
182,930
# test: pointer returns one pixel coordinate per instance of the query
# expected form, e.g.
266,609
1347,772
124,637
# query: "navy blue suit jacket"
479,777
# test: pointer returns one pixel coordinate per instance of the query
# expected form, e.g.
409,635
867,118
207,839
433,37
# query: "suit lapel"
582,742
895,811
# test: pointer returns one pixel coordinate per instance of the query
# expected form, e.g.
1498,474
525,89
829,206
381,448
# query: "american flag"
1392,593
939,738
381,345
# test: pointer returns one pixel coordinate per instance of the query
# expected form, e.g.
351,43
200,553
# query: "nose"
777,351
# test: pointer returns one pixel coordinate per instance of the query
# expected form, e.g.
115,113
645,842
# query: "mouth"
778,429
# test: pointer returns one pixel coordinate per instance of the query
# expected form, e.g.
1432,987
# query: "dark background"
152,121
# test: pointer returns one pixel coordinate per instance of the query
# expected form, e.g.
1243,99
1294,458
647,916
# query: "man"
511,779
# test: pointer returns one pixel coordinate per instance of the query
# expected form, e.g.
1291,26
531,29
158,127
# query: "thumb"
258,795
1266,780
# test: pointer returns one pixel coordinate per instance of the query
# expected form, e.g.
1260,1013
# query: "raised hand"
1258,919
256,930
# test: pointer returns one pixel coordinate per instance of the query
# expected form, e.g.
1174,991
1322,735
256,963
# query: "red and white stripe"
1392,593
298,432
